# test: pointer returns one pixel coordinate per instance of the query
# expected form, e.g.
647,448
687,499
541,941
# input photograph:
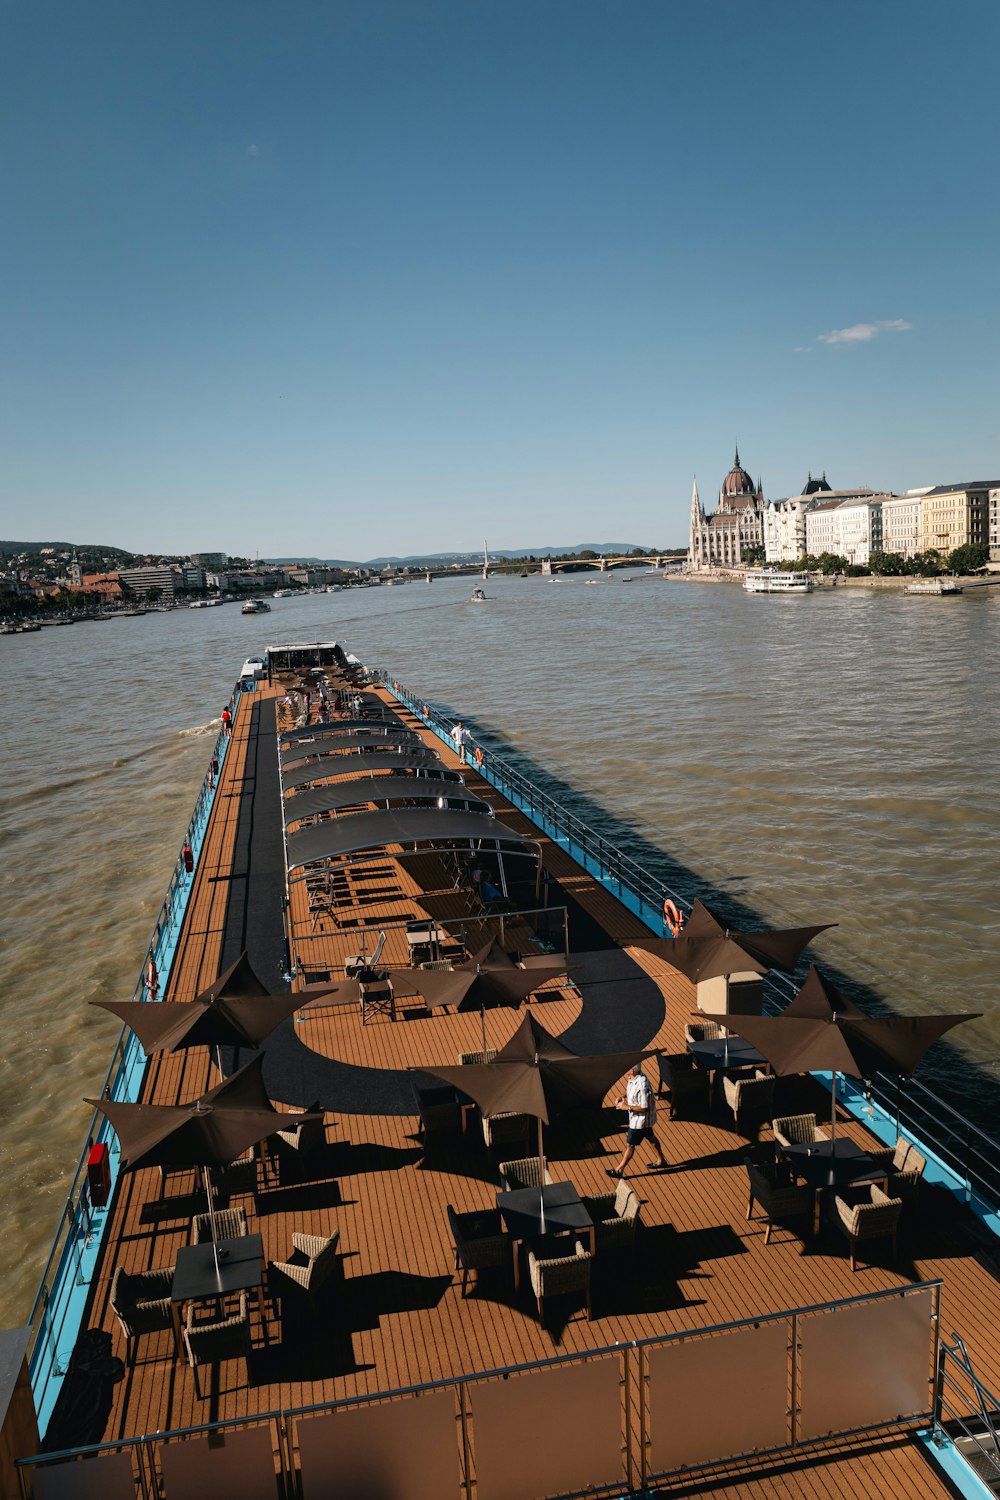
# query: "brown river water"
831,757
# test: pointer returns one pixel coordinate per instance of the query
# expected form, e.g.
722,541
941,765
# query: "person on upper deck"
640,1102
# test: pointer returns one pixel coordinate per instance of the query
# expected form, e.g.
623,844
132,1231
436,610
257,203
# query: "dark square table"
725,1052
833,1164
521,1212
241,1269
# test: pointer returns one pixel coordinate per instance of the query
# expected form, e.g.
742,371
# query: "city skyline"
425,271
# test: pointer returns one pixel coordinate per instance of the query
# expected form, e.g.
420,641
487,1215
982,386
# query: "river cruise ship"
307,1253
773,581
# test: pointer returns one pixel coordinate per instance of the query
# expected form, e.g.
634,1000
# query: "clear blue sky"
346,278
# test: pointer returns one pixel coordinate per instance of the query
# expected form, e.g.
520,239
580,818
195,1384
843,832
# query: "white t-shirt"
459,734
639,1093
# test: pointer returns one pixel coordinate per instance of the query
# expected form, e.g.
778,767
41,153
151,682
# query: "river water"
831,757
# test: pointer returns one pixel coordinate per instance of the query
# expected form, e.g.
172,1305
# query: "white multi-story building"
785,522
901,523
993,524
848,524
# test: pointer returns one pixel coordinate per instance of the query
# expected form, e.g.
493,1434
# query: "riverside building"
847,523
955,515
785,522
722,539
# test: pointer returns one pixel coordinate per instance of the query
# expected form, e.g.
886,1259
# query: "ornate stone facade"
721,540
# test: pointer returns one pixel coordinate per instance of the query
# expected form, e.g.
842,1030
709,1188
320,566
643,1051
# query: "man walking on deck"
460,735
641,1106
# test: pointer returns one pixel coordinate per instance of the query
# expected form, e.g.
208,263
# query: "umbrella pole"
211,1217
482,1020
833,1113
541,1174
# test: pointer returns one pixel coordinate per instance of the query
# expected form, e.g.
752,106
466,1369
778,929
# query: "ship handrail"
955,1354
282,1416
123,1080
976,1163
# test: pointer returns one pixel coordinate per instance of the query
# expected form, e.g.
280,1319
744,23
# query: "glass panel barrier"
552,1433
398,1450
713,1398
222,1466
108,1477
861,1366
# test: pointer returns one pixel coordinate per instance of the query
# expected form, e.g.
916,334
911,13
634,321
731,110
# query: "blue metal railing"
967,1159
60,1301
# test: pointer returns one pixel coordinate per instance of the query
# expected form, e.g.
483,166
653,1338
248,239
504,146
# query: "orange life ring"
673,918
479,755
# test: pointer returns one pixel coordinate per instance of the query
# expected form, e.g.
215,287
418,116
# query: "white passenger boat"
932,586
255,607
771,581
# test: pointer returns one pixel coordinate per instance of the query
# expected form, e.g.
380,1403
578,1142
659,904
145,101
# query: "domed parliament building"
721,540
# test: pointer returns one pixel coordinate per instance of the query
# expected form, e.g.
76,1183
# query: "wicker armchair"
797,1130
440,1115
682,1081
616,1218
211,1343
525,1172
141,1303
230,1224
308,1136
478,1057
563,1274
505,1133
904,1168
877,1219
704,1031
313,1262
779,1196
751,1101
480,1244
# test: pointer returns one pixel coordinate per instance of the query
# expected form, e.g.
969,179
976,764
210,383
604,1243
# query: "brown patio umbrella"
212,1132
707,948
482,982
534,1074
235,1011
822,1031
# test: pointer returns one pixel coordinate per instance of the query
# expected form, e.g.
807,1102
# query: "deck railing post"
793,1384
464,1418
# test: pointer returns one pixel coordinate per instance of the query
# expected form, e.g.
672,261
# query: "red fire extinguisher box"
99,1175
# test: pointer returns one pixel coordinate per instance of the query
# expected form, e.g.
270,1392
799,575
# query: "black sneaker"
660,1166
613,1173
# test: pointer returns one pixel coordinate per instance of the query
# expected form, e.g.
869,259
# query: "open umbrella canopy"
822,1031
469,988
235,1011
212,1132
708,949
534,1074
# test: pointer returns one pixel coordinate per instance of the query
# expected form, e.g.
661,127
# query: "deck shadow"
367,1299
349,1160
301,1197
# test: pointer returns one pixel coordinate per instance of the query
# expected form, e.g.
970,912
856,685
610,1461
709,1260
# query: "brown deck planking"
711,1265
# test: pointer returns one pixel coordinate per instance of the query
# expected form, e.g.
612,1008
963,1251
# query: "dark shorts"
636,1137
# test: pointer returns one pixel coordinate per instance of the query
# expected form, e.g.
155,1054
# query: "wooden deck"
400,1317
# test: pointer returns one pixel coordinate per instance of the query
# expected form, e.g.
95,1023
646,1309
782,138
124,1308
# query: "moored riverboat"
362,862
773,581
937,586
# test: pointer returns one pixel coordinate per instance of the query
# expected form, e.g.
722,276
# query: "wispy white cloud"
802,349
253,151
863,333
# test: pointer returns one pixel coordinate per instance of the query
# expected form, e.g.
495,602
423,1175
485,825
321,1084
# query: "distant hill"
15,547
427,559
614,548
